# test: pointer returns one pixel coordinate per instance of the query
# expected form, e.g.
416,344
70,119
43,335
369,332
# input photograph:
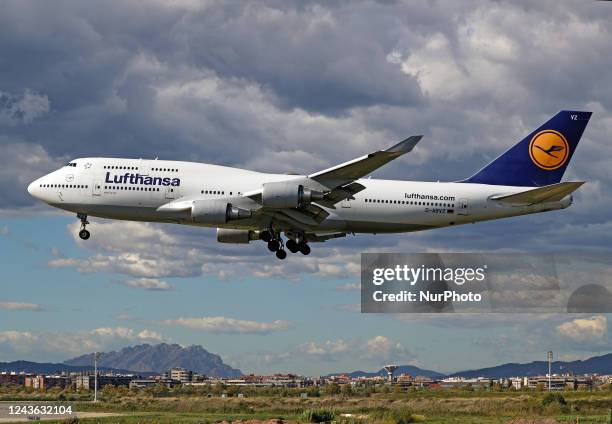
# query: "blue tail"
540,158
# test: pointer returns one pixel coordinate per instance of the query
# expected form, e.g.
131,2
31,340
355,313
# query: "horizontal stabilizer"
549,193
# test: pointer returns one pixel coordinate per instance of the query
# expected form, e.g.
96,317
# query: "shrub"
318,415
396,416
552,398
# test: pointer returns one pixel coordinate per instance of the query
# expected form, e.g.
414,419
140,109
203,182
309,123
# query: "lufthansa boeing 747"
246,205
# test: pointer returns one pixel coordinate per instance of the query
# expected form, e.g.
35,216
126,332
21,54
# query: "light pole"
550,358
96,354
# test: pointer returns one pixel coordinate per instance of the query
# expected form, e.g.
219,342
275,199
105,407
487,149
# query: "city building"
180,374
87,382
48,381
13,378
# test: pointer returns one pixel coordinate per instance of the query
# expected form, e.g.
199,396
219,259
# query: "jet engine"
217,212
287,194
225,235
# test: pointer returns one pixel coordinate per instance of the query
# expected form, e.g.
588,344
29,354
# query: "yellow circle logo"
549,149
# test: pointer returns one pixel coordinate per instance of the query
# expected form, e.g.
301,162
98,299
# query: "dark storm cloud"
283,86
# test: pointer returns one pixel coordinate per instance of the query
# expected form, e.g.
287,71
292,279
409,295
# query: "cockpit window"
73,164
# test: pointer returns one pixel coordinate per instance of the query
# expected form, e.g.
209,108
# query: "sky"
283,86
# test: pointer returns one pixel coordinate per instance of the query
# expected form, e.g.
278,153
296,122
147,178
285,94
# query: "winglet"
406,145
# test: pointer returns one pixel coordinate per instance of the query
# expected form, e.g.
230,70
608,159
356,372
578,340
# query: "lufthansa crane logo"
549,150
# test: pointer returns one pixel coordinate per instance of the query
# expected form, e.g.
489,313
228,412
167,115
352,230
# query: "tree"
108,391
347,390
332,389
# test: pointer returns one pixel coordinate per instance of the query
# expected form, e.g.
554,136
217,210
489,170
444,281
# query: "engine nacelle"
217,212
287,194
225,235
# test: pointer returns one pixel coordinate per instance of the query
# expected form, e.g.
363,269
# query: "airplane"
246,205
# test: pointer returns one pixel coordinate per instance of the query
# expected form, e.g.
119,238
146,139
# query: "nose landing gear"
83,233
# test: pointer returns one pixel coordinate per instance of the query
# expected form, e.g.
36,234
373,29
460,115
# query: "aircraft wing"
337,183
350,171
340,179
549,193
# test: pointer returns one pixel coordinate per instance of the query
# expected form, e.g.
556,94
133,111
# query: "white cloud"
152,251
594,329
348,287
20,306
150,336
229,325
373,352
327,349
147,284
382,348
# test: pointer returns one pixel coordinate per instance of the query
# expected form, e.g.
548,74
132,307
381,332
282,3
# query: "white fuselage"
133,189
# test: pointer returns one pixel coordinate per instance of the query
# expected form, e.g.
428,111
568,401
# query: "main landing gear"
298,246
275,244
83,233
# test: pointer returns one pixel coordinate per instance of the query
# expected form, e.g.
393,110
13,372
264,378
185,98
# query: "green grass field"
442,406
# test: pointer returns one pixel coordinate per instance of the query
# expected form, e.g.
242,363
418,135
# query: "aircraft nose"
32,188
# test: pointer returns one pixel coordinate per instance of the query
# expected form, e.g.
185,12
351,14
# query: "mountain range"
146,358
595,365
401,369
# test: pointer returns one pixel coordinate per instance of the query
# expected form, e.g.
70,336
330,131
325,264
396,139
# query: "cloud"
4,231
58,345
197,82
280,87
20,306
328,350
382,348
147,284
373,352
223,325
593,329
22,108
348,287
20,164
149,251
149,335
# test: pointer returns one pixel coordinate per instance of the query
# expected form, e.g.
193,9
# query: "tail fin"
540,158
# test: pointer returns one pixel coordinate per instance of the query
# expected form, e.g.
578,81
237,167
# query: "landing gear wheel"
304,248
281,254
84,234
266,236
292,246
273,245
